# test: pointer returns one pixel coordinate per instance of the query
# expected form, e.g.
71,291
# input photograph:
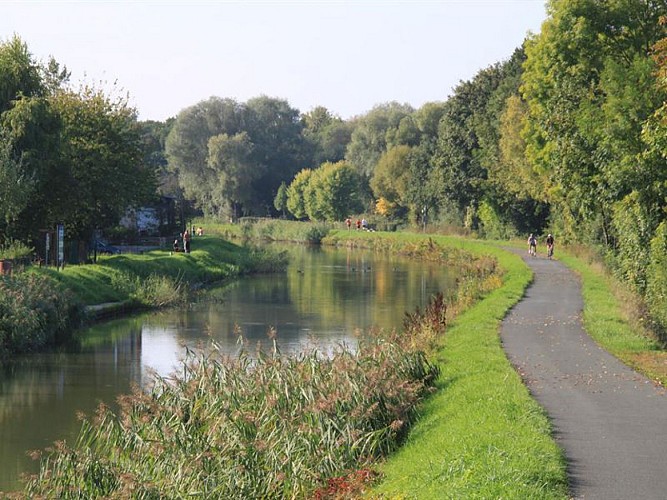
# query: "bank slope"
481,435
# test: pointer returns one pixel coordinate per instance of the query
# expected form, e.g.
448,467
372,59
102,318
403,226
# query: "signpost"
60,237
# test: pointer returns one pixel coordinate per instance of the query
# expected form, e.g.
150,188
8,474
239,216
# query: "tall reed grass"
264,426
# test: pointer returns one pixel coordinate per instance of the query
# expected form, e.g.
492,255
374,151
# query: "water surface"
326,297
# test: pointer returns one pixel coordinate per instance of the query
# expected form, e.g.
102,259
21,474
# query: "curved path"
610,421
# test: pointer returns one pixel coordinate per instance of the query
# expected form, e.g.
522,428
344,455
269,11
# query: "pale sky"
345,55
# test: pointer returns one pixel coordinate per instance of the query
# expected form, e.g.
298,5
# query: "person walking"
532,245
186,241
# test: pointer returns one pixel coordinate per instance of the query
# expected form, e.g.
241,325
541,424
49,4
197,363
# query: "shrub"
34,313
656,293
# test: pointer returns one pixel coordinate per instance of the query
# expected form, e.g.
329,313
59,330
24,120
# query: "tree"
392,176
15,184
271,126
369,139
19,73
332,192
579,80
295,193
275,130
280,201
100,167
328,135
232,171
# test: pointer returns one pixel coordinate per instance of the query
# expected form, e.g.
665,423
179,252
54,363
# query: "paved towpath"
610,421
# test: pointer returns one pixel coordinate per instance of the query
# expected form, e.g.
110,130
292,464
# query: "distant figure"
176,248
358,224
186,241
532,245
348,223
200,231
364,224
550,246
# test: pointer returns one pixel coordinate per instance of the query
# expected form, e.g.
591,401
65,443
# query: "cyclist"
550,246
532,245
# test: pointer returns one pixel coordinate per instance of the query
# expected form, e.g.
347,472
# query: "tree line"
567,135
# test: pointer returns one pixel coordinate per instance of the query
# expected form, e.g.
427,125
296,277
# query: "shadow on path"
610,421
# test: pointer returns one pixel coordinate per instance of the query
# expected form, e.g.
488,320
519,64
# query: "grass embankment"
116,278
41,308
481,435
612,317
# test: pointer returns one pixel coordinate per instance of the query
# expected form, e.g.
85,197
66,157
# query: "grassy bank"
480,435
312,427
113,278
41,308
613,317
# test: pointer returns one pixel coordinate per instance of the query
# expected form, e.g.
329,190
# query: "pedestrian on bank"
186,241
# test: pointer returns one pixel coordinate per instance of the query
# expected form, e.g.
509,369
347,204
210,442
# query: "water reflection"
325,297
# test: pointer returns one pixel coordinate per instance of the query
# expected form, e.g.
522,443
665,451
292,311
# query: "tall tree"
369,139
187,147
295,193
101,167
332,192
234,172
275,130
391,178
15,184
19,73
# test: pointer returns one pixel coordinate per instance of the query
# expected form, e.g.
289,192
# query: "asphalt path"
610,421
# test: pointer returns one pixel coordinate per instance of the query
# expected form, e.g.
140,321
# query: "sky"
347,56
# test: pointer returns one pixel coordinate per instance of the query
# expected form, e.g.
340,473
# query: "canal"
327,297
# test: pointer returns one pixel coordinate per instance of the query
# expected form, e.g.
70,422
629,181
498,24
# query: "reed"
262,426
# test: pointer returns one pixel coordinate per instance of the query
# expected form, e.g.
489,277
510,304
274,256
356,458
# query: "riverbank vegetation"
315,426
257,427
491,159
616,317
42,307
480,435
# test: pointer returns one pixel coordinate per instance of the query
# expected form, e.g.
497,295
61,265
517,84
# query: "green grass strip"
606,317
212,259
481,435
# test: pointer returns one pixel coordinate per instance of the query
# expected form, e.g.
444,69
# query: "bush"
34,313
15,250
656,290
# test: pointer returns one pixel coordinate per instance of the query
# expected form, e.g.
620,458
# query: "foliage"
274,230
332,192
296,202
391,177
327,134
66,156
35,313
15,184
233,173
280,201
374,134
656,288
248,428
20,73
259,146
101,159
15,250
